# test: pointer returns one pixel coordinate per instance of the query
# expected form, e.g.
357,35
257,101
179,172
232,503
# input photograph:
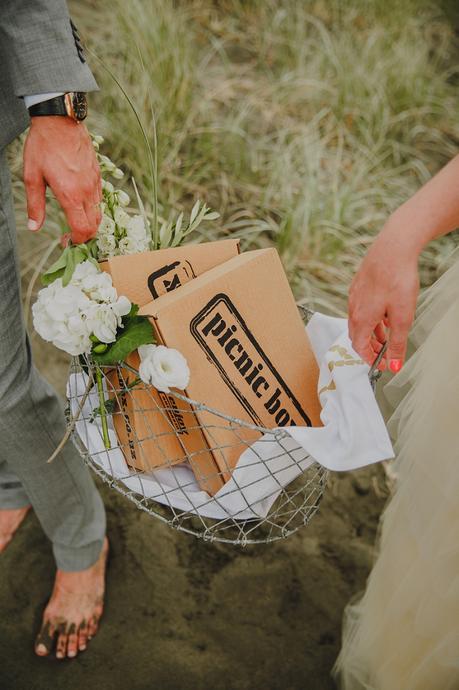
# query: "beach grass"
304,123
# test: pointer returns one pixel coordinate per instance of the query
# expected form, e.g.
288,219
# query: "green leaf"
77,254
69,268
59,264
194,211
137,331
57,269
48,278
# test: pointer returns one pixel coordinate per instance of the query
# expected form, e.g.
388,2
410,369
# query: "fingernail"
395,365
32,225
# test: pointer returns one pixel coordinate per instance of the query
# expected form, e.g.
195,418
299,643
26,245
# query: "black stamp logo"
170,277
230,346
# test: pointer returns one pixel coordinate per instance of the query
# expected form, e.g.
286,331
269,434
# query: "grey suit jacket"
40,52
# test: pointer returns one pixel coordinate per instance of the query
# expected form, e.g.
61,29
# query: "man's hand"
383,295
58,153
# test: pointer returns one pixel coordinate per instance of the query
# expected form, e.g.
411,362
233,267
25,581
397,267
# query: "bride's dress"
403,633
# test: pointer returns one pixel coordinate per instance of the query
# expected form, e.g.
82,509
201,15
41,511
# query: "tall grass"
303,122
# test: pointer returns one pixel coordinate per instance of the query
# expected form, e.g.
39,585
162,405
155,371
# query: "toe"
93,626
83,636
45,639
72,642
61,647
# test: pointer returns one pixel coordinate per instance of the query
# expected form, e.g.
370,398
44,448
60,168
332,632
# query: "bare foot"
9,522
74,610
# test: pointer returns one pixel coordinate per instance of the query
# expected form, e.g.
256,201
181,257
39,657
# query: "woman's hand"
59,153
383,297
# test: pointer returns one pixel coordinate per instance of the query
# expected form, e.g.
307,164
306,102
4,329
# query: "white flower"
102,322
121,307
136,228
107,225
118,173
107,186
106,244
84,271
121,217
163,367
123,198
107,164
96,284
88,305
58,316
129,245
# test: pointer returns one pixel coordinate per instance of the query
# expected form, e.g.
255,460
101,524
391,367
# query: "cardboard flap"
146,276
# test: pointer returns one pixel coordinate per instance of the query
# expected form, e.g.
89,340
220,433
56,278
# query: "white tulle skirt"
403,633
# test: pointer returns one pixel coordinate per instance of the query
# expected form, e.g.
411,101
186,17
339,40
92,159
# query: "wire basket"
181,473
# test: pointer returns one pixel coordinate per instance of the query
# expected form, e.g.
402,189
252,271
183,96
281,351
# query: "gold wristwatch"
73,104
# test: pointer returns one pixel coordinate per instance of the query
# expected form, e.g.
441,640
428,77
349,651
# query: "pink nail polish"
395,365
32,225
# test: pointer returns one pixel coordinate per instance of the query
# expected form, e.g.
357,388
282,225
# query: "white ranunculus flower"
163,367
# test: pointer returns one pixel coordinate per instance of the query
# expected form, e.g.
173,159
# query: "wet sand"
186,615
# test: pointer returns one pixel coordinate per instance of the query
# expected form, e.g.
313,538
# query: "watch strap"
53,106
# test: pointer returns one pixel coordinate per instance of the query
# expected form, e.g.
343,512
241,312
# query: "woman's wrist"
408,235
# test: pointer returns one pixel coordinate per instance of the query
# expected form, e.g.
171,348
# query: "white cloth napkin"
353,435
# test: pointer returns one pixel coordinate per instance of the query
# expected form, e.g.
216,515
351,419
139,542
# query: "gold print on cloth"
347,360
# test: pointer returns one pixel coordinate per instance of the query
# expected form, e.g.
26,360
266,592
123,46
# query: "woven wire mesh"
190,466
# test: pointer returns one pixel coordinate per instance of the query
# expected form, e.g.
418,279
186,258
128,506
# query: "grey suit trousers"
32,424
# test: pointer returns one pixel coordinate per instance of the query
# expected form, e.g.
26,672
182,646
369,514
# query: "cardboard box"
146,276
247,349
145,420
155,430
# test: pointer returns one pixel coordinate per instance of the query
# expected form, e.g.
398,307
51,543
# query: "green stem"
103,411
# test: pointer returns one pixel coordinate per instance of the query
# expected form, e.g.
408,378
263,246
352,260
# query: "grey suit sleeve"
41,49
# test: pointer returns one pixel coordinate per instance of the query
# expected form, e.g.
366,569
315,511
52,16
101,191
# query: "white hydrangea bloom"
102,322
89,305
58,317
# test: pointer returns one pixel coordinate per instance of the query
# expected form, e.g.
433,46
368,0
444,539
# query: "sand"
186,615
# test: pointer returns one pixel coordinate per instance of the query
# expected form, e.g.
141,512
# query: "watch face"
80,105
